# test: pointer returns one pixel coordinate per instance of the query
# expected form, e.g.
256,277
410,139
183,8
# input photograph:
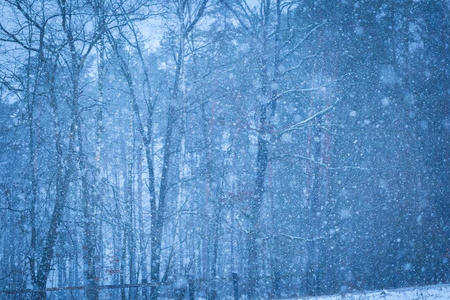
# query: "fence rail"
234,279
82,287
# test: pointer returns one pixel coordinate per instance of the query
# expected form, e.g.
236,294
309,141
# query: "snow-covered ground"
413,293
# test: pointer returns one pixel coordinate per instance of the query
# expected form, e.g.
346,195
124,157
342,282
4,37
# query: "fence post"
191,287
235,286
276,284
144,289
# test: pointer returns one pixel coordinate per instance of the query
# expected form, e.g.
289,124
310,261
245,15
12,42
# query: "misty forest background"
301,145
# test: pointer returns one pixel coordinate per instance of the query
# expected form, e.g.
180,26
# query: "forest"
212,149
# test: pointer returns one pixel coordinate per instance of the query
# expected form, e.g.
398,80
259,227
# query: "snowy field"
413,293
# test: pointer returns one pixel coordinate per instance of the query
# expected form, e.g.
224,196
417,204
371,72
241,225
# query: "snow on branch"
301,124
299,238
319,163
307,35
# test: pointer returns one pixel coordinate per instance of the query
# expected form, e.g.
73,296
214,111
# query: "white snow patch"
440,291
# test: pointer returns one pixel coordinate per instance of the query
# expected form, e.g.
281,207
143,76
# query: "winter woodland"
186,149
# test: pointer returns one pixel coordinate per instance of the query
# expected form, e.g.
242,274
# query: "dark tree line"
301,145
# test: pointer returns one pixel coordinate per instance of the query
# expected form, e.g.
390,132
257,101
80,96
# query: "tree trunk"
157,214
62,186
